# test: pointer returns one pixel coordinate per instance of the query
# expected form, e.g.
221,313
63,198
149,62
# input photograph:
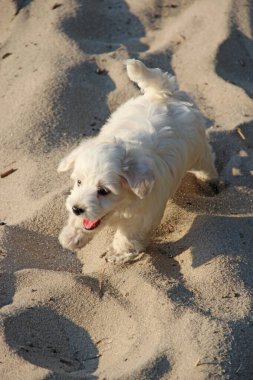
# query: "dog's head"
108,176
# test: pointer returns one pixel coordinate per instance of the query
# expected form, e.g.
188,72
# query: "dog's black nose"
77,210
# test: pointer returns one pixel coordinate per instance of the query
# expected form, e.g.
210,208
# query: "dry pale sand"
185,311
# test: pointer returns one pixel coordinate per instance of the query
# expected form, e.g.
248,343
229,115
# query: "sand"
183,312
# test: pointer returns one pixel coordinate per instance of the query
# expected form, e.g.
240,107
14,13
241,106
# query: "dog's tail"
152,82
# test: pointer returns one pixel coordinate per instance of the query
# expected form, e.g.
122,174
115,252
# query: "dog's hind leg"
206,172
204,168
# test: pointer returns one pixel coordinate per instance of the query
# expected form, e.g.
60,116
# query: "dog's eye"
103,191
79,182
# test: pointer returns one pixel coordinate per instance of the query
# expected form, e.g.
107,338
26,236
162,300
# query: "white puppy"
125,175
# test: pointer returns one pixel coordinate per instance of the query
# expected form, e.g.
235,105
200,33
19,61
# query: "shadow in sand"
247,130
208,238
160,368
7,286
28,249
231,238
61,376
80,104
211,236
162,256
20,4
163,259
234,60
227,144
161,60
241,350
49,340
102,26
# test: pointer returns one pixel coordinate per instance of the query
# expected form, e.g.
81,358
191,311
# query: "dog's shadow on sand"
211,236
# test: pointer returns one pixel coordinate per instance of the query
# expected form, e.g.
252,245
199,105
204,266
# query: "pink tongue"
90,224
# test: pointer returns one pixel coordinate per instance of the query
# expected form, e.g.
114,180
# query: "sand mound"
185,310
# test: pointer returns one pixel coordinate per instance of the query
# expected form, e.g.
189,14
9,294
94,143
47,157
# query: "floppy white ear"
139,174
68,161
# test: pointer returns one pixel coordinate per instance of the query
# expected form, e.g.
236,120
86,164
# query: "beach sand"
184,311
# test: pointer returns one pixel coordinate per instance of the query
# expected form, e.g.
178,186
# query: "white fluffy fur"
140,155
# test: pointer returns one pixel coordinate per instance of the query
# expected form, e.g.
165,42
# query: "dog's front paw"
72,238
123,258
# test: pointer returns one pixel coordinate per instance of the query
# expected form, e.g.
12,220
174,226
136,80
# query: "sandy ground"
185,311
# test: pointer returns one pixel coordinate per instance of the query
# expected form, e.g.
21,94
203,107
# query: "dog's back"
157,117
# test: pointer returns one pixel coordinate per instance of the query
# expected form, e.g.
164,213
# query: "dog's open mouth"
91,224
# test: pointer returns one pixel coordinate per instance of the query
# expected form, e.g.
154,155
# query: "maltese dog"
125,175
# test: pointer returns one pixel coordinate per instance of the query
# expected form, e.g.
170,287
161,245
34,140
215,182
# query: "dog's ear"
139,174
68,161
